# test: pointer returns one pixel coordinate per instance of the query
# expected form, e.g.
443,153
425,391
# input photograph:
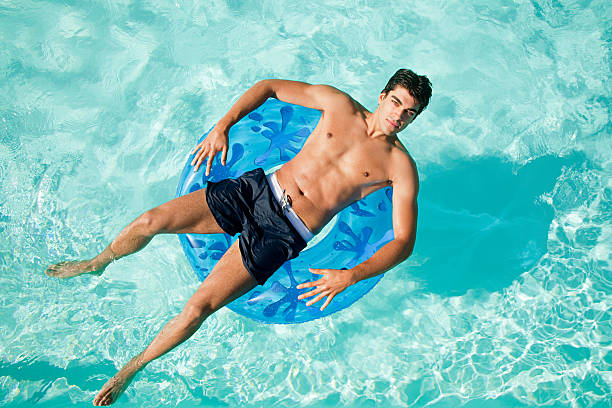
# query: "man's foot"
118,383
95,266
69,269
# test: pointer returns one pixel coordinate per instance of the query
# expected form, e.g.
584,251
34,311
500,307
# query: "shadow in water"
481,225
88,377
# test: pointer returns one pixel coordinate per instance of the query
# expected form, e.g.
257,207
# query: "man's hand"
330,284
216,141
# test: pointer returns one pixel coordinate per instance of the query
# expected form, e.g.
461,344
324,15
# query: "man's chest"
356,165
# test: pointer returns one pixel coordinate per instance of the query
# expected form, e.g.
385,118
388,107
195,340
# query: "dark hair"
418,86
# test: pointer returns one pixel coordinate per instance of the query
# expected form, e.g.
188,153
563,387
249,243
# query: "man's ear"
382,96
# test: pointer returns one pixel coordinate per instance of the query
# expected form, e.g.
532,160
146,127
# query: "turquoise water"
506,300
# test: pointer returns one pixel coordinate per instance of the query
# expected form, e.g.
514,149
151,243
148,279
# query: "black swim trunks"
246,205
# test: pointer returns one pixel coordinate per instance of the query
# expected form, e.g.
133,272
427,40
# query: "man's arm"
405,211
299,93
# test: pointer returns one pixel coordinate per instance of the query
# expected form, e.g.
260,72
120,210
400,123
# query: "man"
351,153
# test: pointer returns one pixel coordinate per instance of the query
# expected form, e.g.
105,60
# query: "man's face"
397,109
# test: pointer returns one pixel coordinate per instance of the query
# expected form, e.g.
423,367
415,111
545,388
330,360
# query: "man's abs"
318,190
300,194
337,166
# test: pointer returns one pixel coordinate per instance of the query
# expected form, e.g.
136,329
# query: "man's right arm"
299,93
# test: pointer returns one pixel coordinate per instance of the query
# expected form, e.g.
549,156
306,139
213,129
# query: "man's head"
418,86
405,96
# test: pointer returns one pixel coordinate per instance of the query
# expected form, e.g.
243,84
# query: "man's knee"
153,222
196,313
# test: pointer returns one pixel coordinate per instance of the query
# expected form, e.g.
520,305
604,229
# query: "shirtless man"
351,153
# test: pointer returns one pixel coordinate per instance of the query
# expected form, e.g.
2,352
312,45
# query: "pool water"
506,300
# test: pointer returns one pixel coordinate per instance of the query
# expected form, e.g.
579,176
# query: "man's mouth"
392,123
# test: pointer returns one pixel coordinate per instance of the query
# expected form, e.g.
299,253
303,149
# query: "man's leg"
186,214
228,280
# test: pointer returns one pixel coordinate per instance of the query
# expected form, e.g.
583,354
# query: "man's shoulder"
402,155
319,96
402,166
333,98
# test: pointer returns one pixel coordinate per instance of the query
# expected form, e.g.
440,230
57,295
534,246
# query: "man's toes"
98,400
54,269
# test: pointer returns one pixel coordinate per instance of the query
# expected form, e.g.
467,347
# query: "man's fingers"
98,399
309,284
315,300
195,149
204,153
199,162
305,285
311,293
224,155
195,155
329,299
211,156
199,157
102,395
317,271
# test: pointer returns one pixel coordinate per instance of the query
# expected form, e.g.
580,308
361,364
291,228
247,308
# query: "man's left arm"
405,211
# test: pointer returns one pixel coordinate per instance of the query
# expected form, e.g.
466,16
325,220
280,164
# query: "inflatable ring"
268,137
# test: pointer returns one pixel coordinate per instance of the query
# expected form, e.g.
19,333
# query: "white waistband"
291,215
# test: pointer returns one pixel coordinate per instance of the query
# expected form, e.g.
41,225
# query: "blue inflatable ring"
268,137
